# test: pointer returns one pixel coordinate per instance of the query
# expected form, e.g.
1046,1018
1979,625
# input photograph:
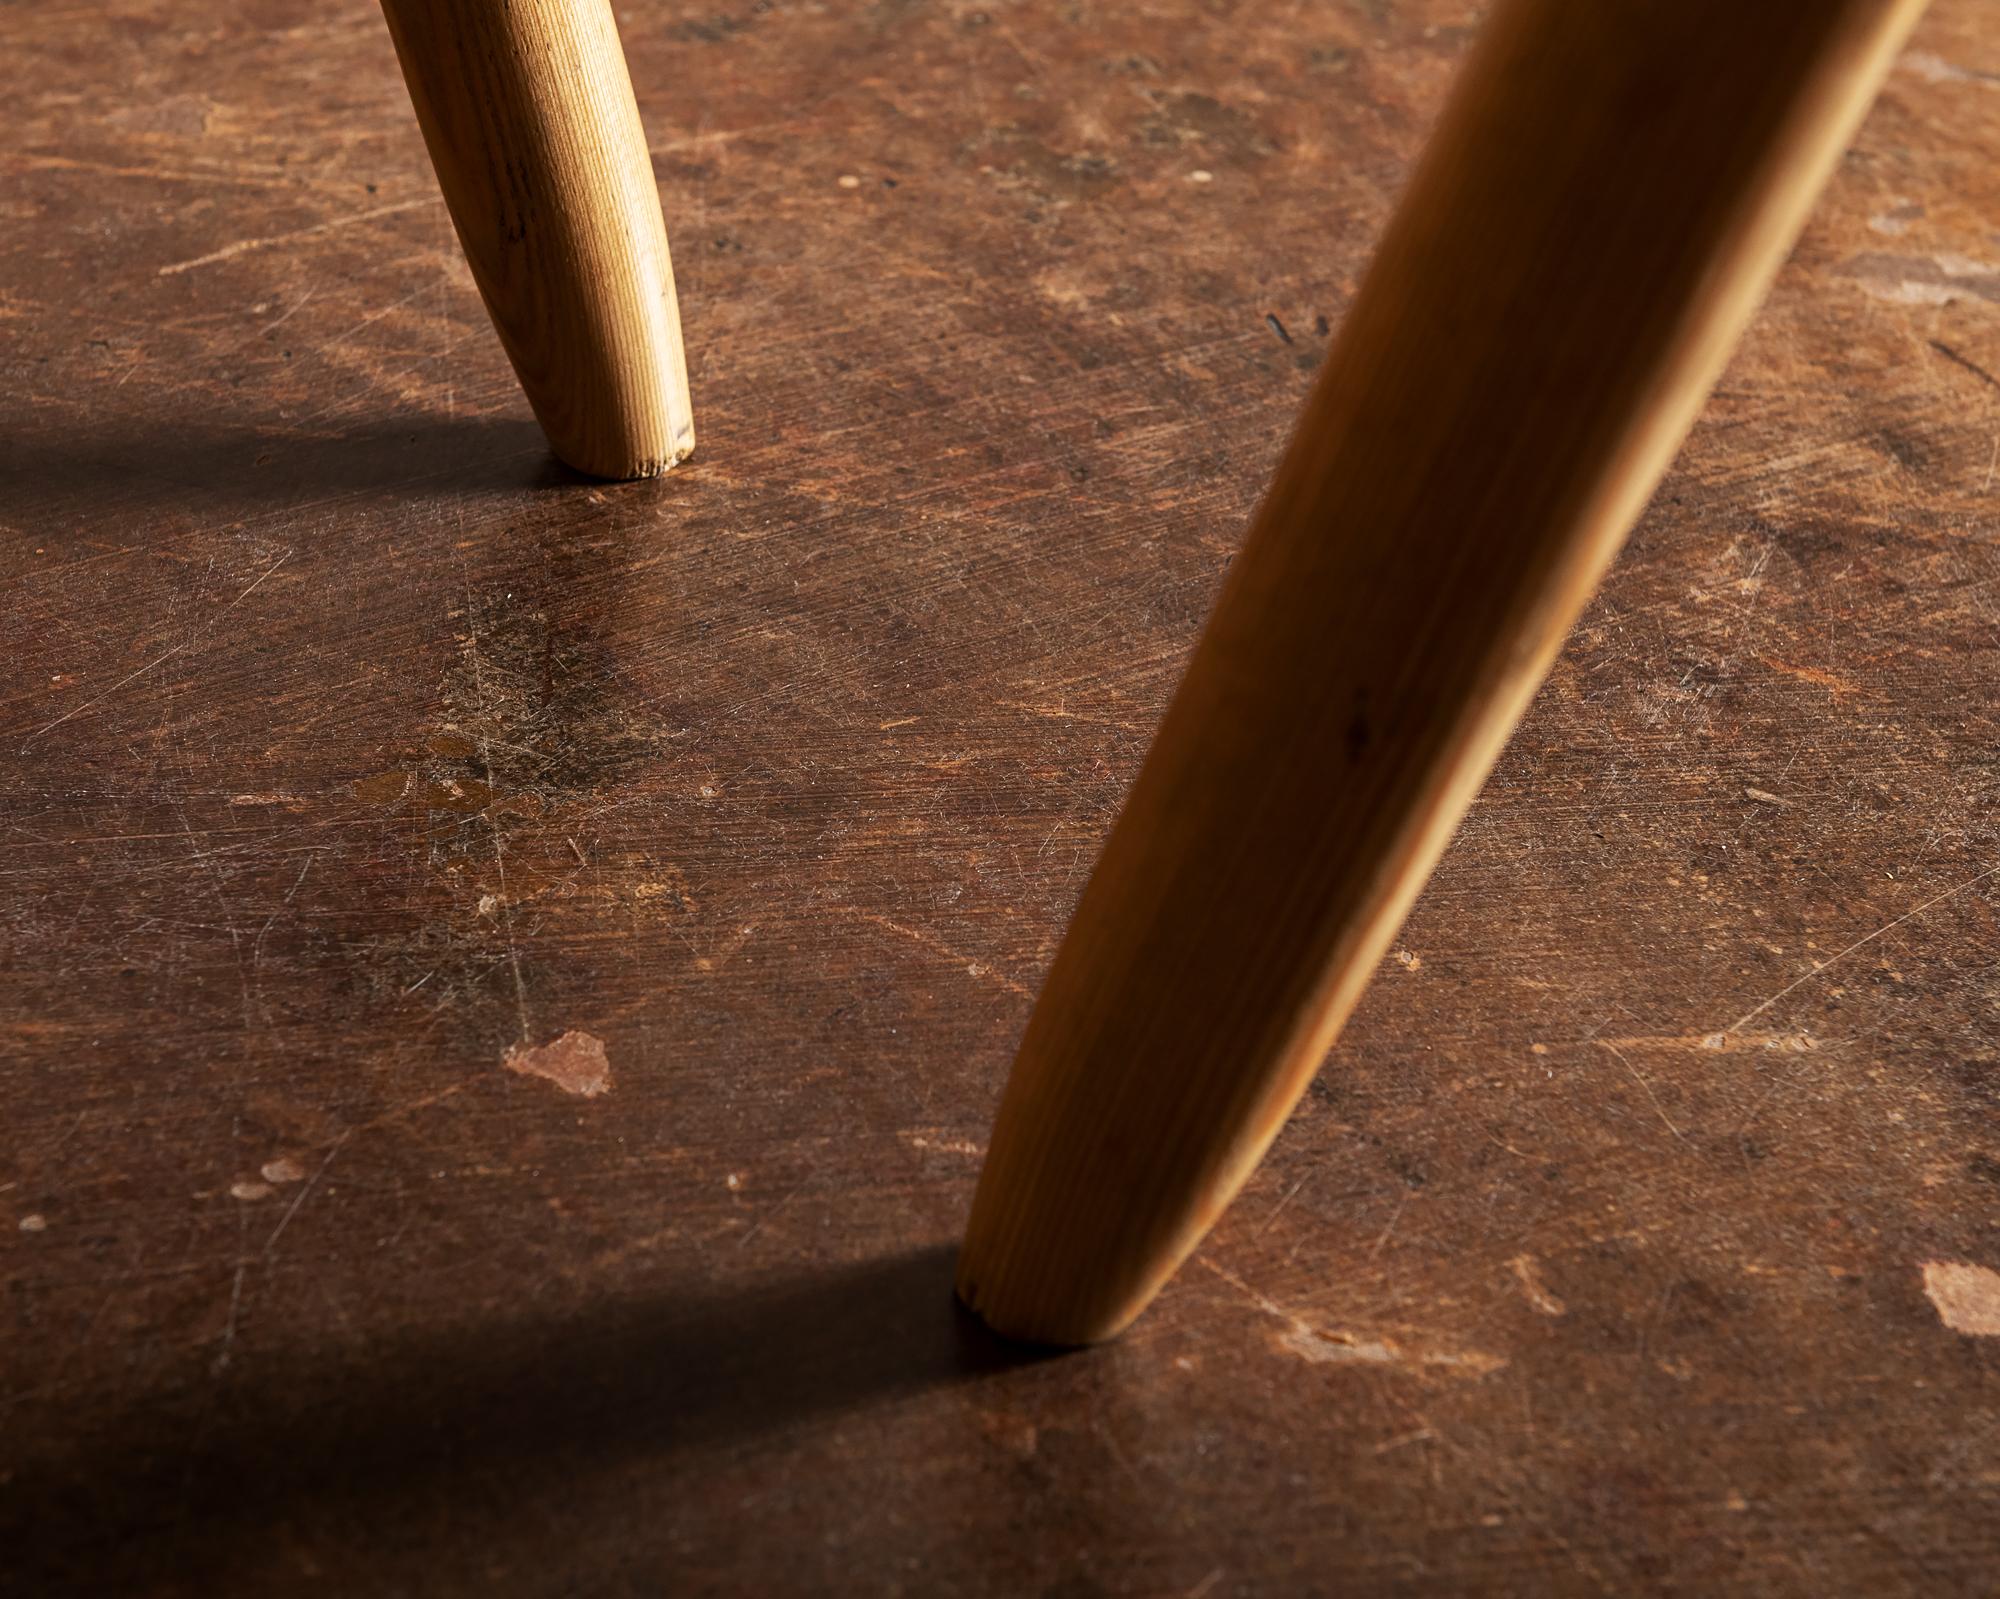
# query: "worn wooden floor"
1643,1232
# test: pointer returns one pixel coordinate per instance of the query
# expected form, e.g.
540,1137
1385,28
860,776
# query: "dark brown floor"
351,746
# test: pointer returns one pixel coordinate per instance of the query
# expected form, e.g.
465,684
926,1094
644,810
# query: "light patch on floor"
1967,1297
575,1063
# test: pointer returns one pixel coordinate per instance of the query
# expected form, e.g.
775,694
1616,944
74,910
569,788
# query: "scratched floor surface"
503,980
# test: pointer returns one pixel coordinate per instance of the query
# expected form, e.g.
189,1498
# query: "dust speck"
1967,1297
282,1170
249,1190
575,1063
34,1224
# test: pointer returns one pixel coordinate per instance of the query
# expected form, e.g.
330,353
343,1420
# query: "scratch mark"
771,1210
1658,1109
1798,1043
229,1327
305,1192
937,946
1275,1209
1973,367
1838,687
244,246
1402,1204
1528,1271
492,821
222,1358
241,176
1860,943
157,660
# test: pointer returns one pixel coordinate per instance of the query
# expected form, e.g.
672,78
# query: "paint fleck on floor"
1967,1297
575,1063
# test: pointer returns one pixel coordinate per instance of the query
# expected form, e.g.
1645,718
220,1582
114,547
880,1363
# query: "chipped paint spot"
250,1190
34,1224
1329,1346
669,889
1529,1271
1933,68
1895,222
283,1170
575,1063
1924,280
1967,1297
946,1146
1322,1348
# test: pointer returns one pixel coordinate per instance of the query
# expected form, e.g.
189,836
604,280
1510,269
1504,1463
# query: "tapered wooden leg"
528,112
1607,196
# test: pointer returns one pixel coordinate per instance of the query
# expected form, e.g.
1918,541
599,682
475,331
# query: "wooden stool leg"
528,112
1605,200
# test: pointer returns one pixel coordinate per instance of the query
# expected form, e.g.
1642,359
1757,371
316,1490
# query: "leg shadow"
212,466
193,1481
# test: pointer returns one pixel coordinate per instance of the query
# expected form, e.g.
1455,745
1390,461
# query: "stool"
1605,200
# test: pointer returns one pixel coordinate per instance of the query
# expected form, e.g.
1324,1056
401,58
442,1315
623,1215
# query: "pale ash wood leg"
1608,194
528,112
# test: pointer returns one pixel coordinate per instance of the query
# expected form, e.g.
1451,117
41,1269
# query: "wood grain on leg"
1605,200
528,112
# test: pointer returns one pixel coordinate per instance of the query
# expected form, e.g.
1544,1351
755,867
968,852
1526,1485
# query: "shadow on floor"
217,465
196,1480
